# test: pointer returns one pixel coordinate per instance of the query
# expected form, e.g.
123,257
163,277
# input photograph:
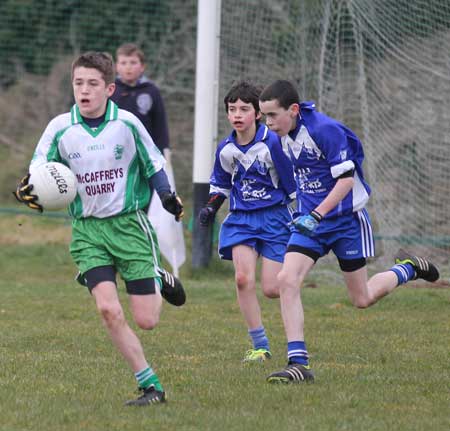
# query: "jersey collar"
305,108
262,132
112,113
309,105
293,133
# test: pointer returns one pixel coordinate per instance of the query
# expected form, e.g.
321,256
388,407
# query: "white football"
54,184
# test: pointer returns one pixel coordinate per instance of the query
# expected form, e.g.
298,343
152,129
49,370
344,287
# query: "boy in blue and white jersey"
117,166
332,193
253,172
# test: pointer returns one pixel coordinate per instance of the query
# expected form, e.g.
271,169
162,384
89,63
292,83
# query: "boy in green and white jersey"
117,166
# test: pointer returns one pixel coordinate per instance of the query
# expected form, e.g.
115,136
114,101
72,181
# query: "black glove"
208,212
206,215
172,203
23,194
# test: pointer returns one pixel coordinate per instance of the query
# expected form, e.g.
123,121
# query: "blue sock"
297,352
404,272
259,338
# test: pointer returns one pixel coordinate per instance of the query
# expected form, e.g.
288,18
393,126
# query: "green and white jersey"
112,163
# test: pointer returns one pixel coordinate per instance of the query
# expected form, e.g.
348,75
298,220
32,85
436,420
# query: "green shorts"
127,242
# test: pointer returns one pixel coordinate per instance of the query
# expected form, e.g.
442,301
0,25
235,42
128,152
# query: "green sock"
155,382
146,378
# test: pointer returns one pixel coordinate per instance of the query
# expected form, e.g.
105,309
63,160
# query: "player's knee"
287,281
242,280
112,314
147,322
271,291
362,302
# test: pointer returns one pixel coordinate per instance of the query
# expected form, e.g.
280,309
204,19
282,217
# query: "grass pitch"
387,367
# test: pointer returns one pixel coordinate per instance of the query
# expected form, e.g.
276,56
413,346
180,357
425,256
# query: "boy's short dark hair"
129,49
101,61
281,90
244,90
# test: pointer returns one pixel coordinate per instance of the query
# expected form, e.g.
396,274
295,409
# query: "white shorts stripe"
367,242
145,225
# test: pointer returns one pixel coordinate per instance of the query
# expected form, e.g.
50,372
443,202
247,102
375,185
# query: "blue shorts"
350,237
265,230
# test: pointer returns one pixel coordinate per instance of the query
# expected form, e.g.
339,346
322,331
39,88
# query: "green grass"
387,367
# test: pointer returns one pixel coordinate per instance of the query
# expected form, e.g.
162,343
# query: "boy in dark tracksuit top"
139,95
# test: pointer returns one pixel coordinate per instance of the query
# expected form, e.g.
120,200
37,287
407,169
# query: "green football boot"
257,355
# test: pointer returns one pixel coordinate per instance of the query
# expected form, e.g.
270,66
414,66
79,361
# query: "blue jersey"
321,150
254,176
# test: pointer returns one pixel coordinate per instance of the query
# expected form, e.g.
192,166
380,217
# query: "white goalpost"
205,128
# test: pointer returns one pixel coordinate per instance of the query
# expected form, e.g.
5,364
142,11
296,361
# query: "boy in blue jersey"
252,171
110,230
331,195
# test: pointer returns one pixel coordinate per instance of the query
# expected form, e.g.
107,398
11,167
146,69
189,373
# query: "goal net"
381,67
